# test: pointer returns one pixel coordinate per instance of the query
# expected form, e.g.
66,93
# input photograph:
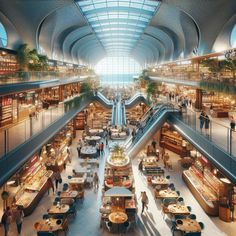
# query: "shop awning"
118,192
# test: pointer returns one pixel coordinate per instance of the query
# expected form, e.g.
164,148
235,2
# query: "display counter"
35,186
202,191
89,151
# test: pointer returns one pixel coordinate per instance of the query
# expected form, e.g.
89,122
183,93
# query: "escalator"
149,127
103,100
136,99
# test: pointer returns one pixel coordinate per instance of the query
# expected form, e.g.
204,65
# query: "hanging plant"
5,195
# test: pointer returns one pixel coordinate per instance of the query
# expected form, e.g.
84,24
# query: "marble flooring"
150,223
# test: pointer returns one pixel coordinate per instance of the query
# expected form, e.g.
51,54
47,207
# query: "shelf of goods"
35,185
206,188
57,157
150,166
80,121
173,142
6,111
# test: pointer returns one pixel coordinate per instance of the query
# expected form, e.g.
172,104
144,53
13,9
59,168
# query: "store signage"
230,54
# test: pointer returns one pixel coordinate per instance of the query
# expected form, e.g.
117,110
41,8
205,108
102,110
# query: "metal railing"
221,135
139,94
12,137
148,123
32,76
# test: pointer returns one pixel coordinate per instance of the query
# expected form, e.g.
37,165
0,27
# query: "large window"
233,38
117,70
3,36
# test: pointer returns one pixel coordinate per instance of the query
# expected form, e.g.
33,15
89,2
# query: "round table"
88,151
118,217
92,139
96,132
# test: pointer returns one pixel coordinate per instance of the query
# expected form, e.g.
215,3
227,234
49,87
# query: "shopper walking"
95,181
50,185
140,166
79,150
19,216
6,220
232,123
58,179
144,200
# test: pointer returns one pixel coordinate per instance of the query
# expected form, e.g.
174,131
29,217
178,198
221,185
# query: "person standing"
6,220
207,123
50,185
95,181
144,200
154,143
102,148
232,123
19,219
79,150
140,166
58,179
166,158
98,149
202,120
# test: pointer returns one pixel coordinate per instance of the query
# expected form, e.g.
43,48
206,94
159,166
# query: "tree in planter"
23,57
230,64
151,90
86,89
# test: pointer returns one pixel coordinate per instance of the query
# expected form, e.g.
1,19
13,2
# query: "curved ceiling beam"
72,37
163,37
223,39
80,42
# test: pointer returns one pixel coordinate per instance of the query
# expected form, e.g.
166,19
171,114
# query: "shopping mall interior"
117,117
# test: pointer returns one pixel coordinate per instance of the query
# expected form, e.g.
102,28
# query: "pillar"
198,103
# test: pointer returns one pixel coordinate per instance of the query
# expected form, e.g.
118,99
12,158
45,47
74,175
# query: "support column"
61,93
198,103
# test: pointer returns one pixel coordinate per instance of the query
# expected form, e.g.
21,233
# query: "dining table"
58,209
188,225
97,132
69,194
160,181
118,217
167,193
93,139
76,181
178,209
49,225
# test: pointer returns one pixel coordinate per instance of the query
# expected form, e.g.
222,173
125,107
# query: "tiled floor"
150,223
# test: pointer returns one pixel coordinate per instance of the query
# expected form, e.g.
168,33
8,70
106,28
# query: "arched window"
3,36
118,70
233,37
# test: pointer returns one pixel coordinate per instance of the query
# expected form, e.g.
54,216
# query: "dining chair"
192,216
189,208
178,193
45,216
180,199
202,225
44,233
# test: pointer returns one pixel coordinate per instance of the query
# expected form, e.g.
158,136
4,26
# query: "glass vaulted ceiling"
118,24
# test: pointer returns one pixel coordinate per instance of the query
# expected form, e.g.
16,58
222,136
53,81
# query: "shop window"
233,37
3,36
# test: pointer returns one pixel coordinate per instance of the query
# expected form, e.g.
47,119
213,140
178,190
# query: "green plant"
118,149
23,56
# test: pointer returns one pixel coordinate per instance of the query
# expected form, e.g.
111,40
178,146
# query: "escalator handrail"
128,102
151,121
105,99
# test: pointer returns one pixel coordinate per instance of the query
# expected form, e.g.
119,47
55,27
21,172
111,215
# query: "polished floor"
150,223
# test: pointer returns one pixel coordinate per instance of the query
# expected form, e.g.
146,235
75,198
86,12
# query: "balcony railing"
32,76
